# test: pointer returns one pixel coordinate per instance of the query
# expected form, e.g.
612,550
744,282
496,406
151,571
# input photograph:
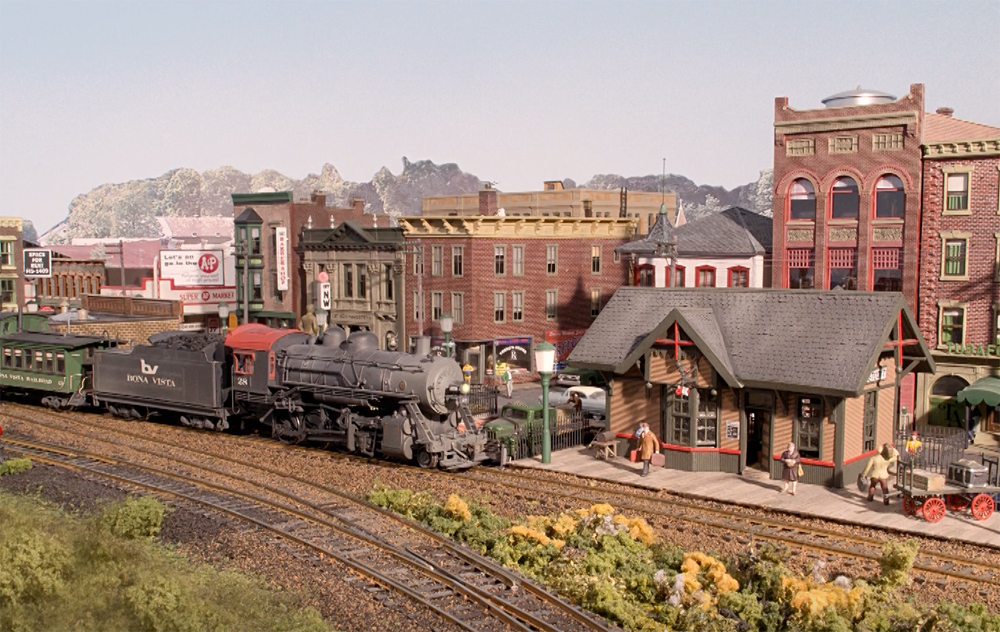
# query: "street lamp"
545,359
223,316
447,322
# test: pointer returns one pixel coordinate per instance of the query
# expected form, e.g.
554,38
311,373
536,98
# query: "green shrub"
15,466
897,560
32,567
135,518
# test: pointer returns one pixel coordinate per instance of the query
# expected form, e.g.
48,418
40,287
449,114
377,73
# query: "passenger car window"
60,363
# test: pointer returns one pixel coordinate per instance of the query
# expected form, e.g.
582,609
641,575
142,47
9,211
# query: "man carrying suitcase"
648,446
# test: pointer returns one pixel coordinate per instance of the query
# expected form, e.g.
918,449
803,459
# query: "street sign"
37,263
281,254
325,298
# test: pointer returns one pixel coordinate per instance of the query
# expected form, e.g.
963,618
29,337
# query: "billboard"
37,263
281,254
564,342
192,268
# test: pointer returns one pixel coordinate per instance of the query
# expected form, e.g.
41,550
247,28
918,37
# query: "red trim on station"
687,448
817,462
256,337
677,342
899,342
860,456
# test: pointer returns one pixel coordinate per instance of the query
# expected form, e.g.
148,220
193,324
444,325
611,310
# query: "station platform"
846,505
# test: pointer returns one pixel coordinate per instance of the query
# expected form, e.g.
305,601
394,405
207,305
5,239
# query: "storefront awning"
985,389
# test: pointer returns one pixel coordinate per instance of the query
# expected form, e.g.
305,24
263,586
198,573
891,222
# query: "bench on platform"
606,445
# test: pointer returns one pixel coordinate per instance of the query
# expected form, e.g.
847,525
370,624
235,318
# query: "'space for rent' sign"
37,263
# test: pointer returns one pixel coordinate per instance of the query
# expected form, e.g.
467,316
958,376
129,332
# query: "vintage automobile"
594,399
579,377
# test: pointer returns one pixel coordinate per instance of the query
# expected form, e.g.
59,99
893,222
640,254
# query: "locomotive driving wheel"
910,506
934,509
982,506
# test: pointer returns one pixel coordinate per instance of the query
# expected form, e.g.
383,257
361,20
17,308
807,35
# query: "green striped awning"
985,389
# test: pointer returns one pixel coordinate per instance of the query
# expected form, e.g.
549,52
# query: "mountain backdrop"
129,209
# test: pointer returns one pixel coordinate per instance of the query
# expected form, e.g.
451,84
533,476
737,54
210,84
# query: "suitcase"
633,456
658,460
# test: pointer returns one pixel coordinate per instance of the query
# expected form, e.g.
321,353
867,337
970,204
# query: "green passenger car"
57,367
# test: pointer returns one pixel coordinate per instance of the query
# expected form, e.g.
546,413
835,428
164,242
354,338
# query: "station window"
244,363
60,363
680,420
810,418
708,416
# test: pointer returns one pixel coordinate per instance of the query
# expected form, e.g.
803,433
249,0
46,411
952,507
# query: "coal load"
185,341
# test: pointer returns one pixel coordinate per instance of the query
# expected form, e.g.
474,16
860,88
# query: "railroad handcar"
189,382
56,367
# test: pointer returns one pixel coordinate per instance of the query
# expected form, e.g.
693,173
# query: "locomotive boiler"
343,390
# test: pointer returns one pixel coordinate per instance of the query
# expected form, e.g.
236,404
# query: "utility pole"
420,291
121,263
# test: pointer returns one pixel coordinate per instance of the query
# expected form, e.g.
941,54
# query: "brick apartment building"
267,227
959,293
509,282
874,193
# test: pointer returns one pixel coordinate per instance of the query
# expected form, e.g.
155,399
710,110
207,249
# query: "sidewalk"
844,505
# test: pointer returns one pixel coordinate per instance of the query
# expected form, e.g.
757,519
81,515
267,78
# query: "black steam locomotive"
338,389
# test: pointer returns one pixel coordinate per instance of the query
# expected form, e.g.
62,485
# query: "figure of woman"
790,462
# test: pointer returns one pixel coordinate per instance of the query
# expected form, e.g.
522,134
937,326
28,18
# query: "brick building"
959,291
71,279
509,282
132,320
266,223
847,192
11,264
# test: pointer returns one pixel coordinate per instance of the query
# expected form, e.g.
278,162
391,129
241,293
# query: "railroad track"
395,554
701,516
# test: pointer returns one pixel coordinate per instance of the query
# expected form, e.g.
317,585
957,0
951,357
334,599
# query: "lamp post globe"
545,359
447,322
223,316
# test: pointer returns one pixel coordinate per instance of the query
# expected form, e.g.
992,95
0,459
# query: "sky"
513,92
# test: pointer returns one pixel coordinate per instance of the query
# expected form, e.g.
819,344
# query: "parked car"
580,377
593,398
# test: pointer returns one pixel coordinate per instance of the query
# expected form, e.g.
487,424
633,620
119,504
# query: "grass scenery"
61,571
615,566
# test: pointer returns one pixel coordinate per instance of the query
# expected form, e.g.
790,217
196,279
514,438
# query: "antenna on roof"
663,196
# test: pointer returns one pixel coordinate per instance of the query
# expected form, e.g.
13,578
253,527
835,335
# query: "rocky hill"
129,209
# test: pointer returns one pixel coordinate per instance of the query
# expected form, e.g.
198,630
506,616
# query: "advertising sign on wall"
281,254
564,341
515,353
37,263
192,268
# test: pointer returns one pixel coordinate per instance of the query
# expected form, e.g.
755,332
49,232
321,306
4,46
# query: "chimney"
358,204
945,111
318,198
488,200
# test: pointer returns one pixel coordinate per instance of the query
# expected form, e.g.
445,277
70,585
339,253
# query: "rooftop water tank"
858,96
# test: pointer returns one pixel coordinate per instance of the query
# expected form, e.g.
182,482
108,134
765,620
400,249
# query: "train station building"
726,378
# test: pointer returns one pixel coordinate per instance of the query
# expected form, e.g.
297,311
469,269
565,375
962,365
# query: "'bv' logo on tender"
146,369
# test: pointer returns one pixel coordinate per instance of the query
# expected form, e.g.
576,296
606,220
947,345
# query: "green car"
518,430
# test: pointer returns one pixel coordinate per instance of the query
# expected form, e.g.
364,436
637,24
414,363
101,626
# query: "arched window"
802,200
948,386
890,199
844,199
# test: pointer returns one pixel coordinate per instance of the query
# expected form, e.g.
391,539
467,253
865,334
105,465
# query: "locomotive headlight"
464,389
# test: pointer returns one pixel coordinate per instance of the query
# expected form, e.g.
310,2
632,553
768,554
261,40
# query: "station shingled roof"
826,342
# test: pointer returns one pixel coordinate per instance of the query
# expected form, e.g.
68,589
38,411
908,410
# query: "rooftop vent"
945,111
858,96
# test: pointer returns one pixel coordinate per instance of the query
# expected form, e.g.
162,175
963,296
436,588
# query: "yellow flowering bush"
457,508
813,598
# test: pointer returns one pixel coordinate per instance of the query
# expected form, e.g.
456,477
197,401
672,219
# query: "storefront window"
515,353
944,408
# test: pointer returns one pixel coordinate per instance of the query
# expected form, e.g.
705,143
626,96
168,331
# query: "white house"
727,249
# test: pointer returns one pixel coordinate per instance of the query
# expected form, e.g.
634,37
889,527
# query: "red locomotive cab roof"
256,337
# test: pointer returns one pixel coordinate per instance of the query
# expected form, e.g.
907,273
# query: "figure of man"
308,322
648,446
878,469
508,380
